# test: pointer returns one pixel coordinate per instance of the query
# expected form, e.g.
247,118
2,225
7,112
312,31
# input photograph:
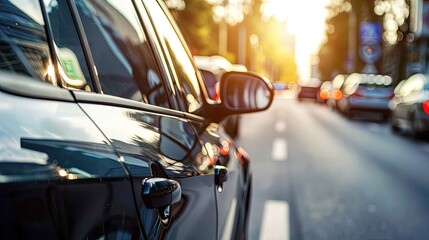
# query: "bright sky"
305,19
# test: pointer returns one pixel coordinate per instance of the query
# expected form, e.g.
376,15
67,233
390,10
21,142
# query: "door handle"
221,176
161,193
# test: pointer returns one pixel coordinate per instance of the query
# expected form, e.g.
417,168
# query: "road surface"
318,175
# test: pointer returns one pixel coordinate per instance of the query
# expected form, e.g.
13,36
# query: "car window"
23,43
73,68
122,55
184,69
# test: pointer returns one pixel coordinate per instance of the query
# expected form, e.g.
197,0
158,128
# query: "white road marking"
279,151
280,126
275,221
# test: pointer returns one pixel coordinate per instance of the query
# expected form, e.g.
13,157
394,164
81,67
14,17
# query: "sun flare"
306,20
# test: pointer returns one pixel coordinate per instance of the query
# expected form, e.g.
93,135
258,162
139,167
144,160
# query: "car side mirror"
245,92
211,83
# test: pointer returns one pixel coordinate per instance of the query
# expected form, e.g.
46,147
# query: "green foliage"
197,26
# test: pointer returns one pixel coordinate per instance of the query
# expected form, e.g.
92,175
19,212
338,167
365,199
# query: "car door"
132,107
230,180
59,176
60,179
160,143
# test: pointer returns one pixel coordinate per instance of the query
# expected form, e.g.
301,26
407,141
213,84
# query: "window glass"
182,63
23,44
124,60
73,68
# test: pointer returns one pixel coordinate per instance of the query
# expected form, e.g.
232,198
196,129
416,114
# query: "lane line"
279,150
280,126
275,221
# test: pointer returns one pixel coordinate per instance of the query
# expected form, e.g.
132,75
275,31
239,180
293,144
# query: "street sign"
370,32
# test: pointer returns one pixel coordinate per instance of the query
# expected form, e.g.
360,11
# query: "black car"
410,106
107,132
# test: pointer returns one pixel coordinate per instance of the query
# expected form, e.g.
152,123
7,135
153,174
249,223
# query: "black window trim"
85,46
180,94
110,100
26,86
153,39
49,39
82,40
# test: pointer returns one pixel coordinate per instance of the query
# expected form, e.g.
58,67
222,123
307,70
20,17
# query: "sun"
305,19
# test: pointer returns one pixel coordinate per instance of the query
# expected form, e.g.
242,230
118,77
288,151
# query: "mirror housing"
239,92
160,192
245,92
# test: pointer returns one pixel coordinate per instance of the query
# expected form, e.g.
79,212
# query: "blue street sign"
370,32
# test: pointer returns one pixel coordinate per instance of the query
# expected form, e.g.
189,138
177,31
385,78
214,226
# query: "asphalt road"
318,175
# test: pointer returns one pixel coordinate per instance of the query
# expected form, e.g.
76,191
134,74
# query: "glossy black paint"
58,176
108,137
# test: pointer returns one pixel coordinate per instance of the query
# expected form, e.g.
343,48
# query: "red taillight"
217,92
358,93
337,94
390,94
426,106
324,94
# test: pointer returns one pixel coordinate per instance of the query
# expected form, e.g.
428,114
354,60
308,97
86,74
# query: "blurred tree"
279,56
340,52
401,48
196,23
333,53
271,57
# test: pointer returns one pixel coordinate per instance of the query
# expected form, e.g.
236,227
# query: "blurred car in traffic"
410,106
336,93
309,89
324,92
106,128
213,68
366,93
